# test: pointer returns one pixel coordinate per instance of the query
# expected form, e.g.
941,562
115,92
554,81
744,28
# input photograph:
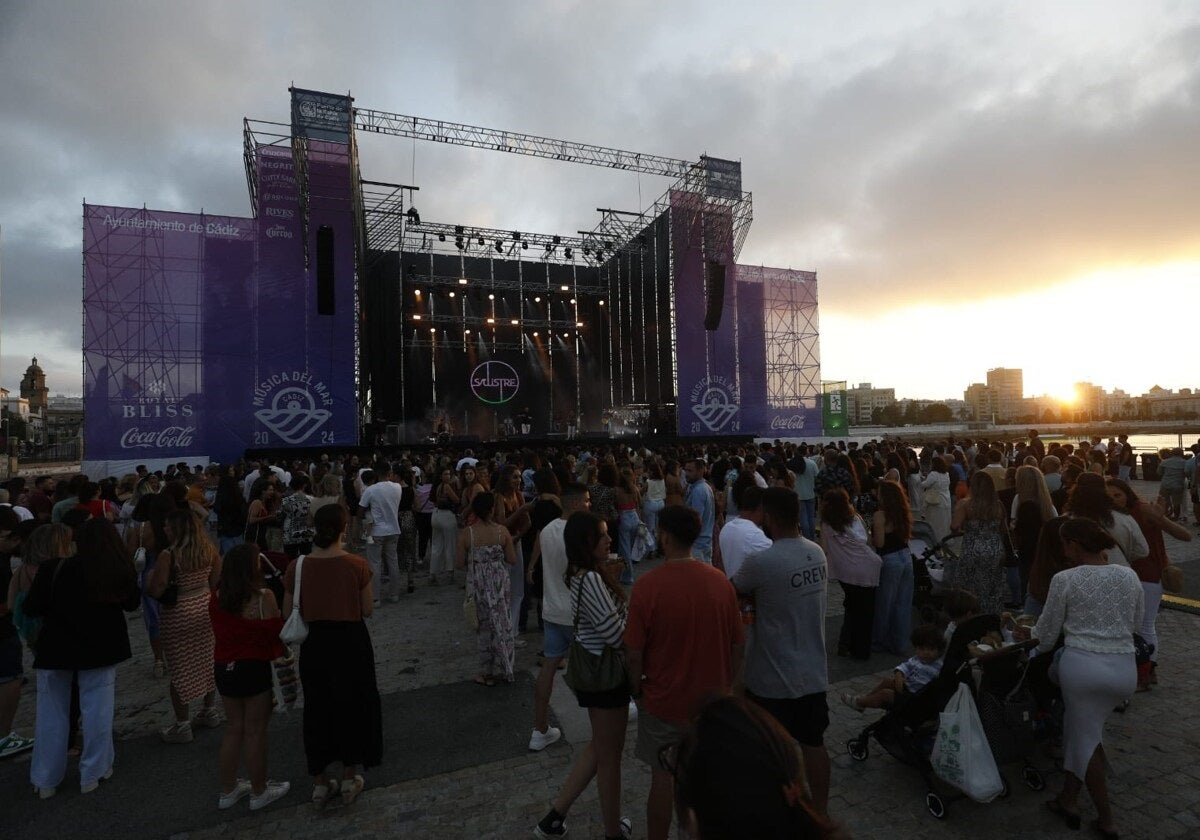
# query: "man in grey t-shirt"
787,672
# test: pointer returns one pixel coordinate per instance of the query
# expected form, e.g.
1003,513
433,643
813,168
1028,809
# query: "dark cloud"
930,152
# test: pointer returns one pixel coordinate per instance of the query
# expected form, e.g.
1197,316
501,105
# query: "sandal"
1071,818
851,701
485,680
351,788
323,793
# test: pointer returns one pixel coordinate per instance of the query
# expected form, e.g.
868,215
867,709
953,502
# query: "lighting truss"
488,322
455,283
437,237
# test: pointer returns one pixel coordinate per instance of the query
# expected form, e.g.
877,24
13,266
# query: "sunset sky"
976,184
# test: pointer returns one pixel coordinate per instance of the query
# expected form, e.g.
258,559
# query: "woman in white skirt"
1096,606
935,498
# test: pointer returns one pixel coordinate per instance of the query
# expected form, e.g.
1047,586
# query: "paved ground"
457,767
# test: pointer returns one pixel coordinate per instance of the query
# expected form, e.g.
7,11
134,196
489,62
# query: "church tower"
33,388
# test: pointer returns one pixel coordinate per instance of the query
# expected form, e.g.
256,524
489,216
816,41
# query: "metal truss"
464,284
490,322
438,237
441,131
791,331
255,135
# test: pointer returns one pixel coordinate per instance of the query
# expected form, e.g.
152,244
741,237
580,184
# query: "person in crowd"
13,535
1089,500
328,491
855,565
743,535
380,503
737,774
550,558
1172,474
246,623
469,486
1097,606
629,519
699,497
189,562
983,522
80,595
684,639
1154,522
603,490
262,517
231,509
296,517
674,485
424,505
654,501
935,495
805,470
89,500
40,500
485,551
910,676
443,548
66,497
513,511
343,719
546,507
786,668
837,472
1031,509
891,528
1051,467
402,476
600,614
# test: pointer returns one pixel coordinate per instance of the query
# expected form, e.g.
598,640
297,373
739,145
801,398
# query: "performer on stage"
526,420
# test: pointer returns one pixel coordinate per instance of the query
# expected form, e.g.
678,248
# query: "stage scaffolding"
791,331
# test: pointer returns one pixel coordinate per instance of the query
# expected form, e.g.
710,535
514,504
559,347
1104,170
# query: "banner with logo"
321,116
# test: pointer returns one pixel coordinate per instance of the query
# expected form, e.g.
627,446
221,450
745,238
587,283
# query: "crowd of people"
719,650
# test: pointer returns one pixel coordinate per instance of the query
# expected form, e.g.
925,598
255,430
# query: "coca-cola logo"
796,421
172,437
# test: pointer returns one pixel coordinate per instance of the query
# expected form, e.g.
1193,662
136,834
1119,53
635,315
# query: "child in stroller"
910,676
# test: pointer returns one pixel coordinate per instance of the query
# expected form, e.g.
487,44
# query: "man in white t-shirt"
381,499
557,618
743,534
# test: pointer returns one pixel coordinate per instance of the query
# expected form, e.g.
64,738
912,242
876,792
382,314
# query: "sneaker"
240,791
550,827
177,733
633,711
12,743
88,787
208,718
626,828
45,793
538,741
273,791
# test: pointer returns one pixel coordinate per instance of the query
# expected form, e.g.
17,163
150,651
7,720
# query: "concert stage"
336,315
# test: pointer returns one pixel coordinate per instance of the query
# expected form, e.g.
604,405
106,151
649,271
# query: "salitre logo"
495,383
299,405
715,402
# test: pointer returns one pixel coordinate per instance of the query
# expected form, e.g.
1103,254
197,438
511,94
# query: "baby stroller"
907,730
929,558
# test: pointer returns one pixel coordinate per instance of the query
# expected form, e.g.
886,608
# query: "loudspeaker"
325,289
714,293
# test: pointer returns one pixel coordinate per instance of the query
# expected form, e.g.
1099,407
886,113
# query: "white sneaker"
88,787
177,733
240,791
209,718
538,741
633,711
273,791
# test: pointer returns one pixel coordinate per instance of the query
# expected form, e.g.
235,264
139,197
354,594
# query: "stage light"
565,335
537,300
515,322
417,292
567,253
491,320
516,236
416,317
587,252
433,329
462,281
524,246
414,218
458,230
452,294
499,247
466,332
459,242
566,288
535,335
481,240
441,237
556,240
491,297
572,301
579,323
601,303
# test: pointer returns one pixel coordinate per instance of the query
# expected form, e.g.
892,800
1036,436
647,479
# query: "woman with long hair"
443,545
1048,560
935,497
469,486
738,774
1097,606
983,522
601,611
672,482
246,623
262,519
855,565
1153,521
512,510
192,563
1089,500
891,528
1031,509
604,494
230,508
485,550
343,720
80,595
629,501
654,500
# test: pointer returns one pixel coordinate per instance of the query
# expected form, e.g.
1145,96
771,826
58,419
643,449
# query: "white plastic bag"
961,755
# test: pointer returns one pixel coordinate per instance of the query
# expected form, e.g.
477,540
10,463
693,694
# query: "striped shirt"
601,621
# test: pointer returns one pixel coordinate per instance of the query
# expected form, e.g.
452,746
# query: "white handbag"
294,629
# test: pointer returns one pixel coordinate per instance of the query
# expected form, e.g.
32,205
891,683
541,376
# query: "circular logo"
495,382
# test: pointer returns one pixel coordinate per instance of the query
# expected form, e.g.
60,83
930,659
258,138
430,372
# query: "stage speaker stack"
714,293
325,289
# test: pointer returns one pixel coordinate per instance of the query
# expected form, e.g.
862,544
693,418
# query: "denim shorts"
556,639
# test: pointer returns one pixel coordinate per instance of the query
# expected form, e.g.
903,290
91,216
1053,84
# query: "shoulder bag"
588,672
1172,579
295,631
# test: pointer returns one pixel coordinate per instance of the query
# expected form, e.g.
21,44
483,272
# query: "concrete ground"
456,763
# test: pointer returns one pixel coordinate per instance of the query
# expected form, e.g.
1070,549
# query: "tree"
936,413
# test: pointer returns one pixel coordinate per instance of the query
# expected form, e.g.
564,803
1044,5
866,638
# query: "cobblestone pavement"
1153,748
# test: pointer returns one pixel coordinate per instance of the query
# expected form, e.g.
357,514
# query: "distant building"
981,401
862,400
1008,389
33,388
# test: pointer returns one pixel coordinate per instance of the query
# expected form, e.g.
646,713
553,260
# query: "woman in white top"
1089,500
654,500
1097,606
600,615
935,498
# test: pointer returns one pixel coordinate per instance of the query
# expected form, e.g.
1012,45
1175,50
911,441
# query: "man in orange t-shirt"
685,639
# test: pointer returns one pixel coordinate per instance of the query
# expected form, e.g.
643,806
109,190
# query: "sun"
1066,396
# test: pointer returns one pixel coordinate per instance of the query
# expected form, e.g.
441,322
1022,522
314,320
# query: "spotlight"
491,320
572,301
567,253
417,292
481,240
537,300
556,239
433,329
441,237
467,331
452,294
524,246
458,230
416,317
566,288
601,303
458,240
462,281
535,335
491,297
516,236
565,335
514,322
587,252
499,247
579,323
414,218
